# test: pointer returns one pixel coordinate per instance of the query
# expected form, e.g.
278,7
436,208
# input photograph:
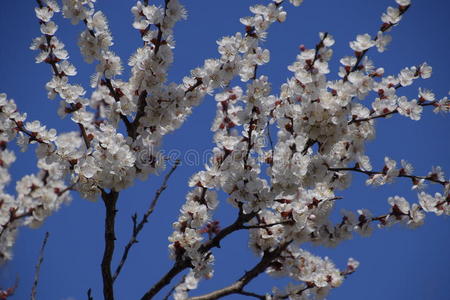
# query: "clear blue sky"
396,263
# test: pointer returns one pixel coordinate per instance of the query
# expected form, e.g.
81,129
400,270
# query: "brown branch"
84,135
13,216
182,264
52,60
115,94
38,267
132,132
270,161
110,200
160,33
251,294
384,27
198,82
237,225
4,294
236,287
395,111
371,173
138,227
173,288
166,279
263,226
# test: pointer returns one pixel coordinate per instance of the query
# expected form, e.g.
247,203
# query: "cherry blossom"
283,187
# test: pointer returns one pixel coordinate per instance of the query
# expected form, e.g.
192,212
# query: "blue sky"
396,263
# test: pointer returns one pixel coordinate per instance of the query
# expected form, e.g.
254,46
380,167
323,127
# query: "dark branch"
251,294
360,55
384,115
180,265
414,178
89,294
166,279
236,287
110,200
138,227
38,267
173,288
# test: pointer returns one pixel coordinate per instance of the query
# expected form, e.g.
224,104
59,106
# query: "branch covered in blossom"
283,186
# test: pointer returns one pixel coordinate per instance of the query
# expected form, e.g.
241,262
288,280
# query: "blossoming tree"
282,158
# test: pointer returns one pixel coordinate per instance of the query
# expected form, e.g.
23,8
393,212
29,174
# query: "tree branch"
110,200
383,115
370,173
360,55
251,294
165,280
160,33
89,294
138,227
173,288
185,263
236,287
38,267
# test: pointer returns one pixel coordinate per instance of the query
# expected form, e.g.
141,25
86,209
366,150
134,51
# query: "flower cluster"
37,195
283,186
322,129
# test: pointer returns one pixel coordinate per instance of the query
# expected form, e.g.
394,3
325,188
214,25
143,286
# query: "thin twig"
251,294
138,227
89,291
270,143
173,288
38,267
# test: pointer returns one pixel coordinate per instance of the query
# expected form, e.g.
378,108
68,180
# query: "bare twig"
173,288
251,294
89,294
38,267
137,227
